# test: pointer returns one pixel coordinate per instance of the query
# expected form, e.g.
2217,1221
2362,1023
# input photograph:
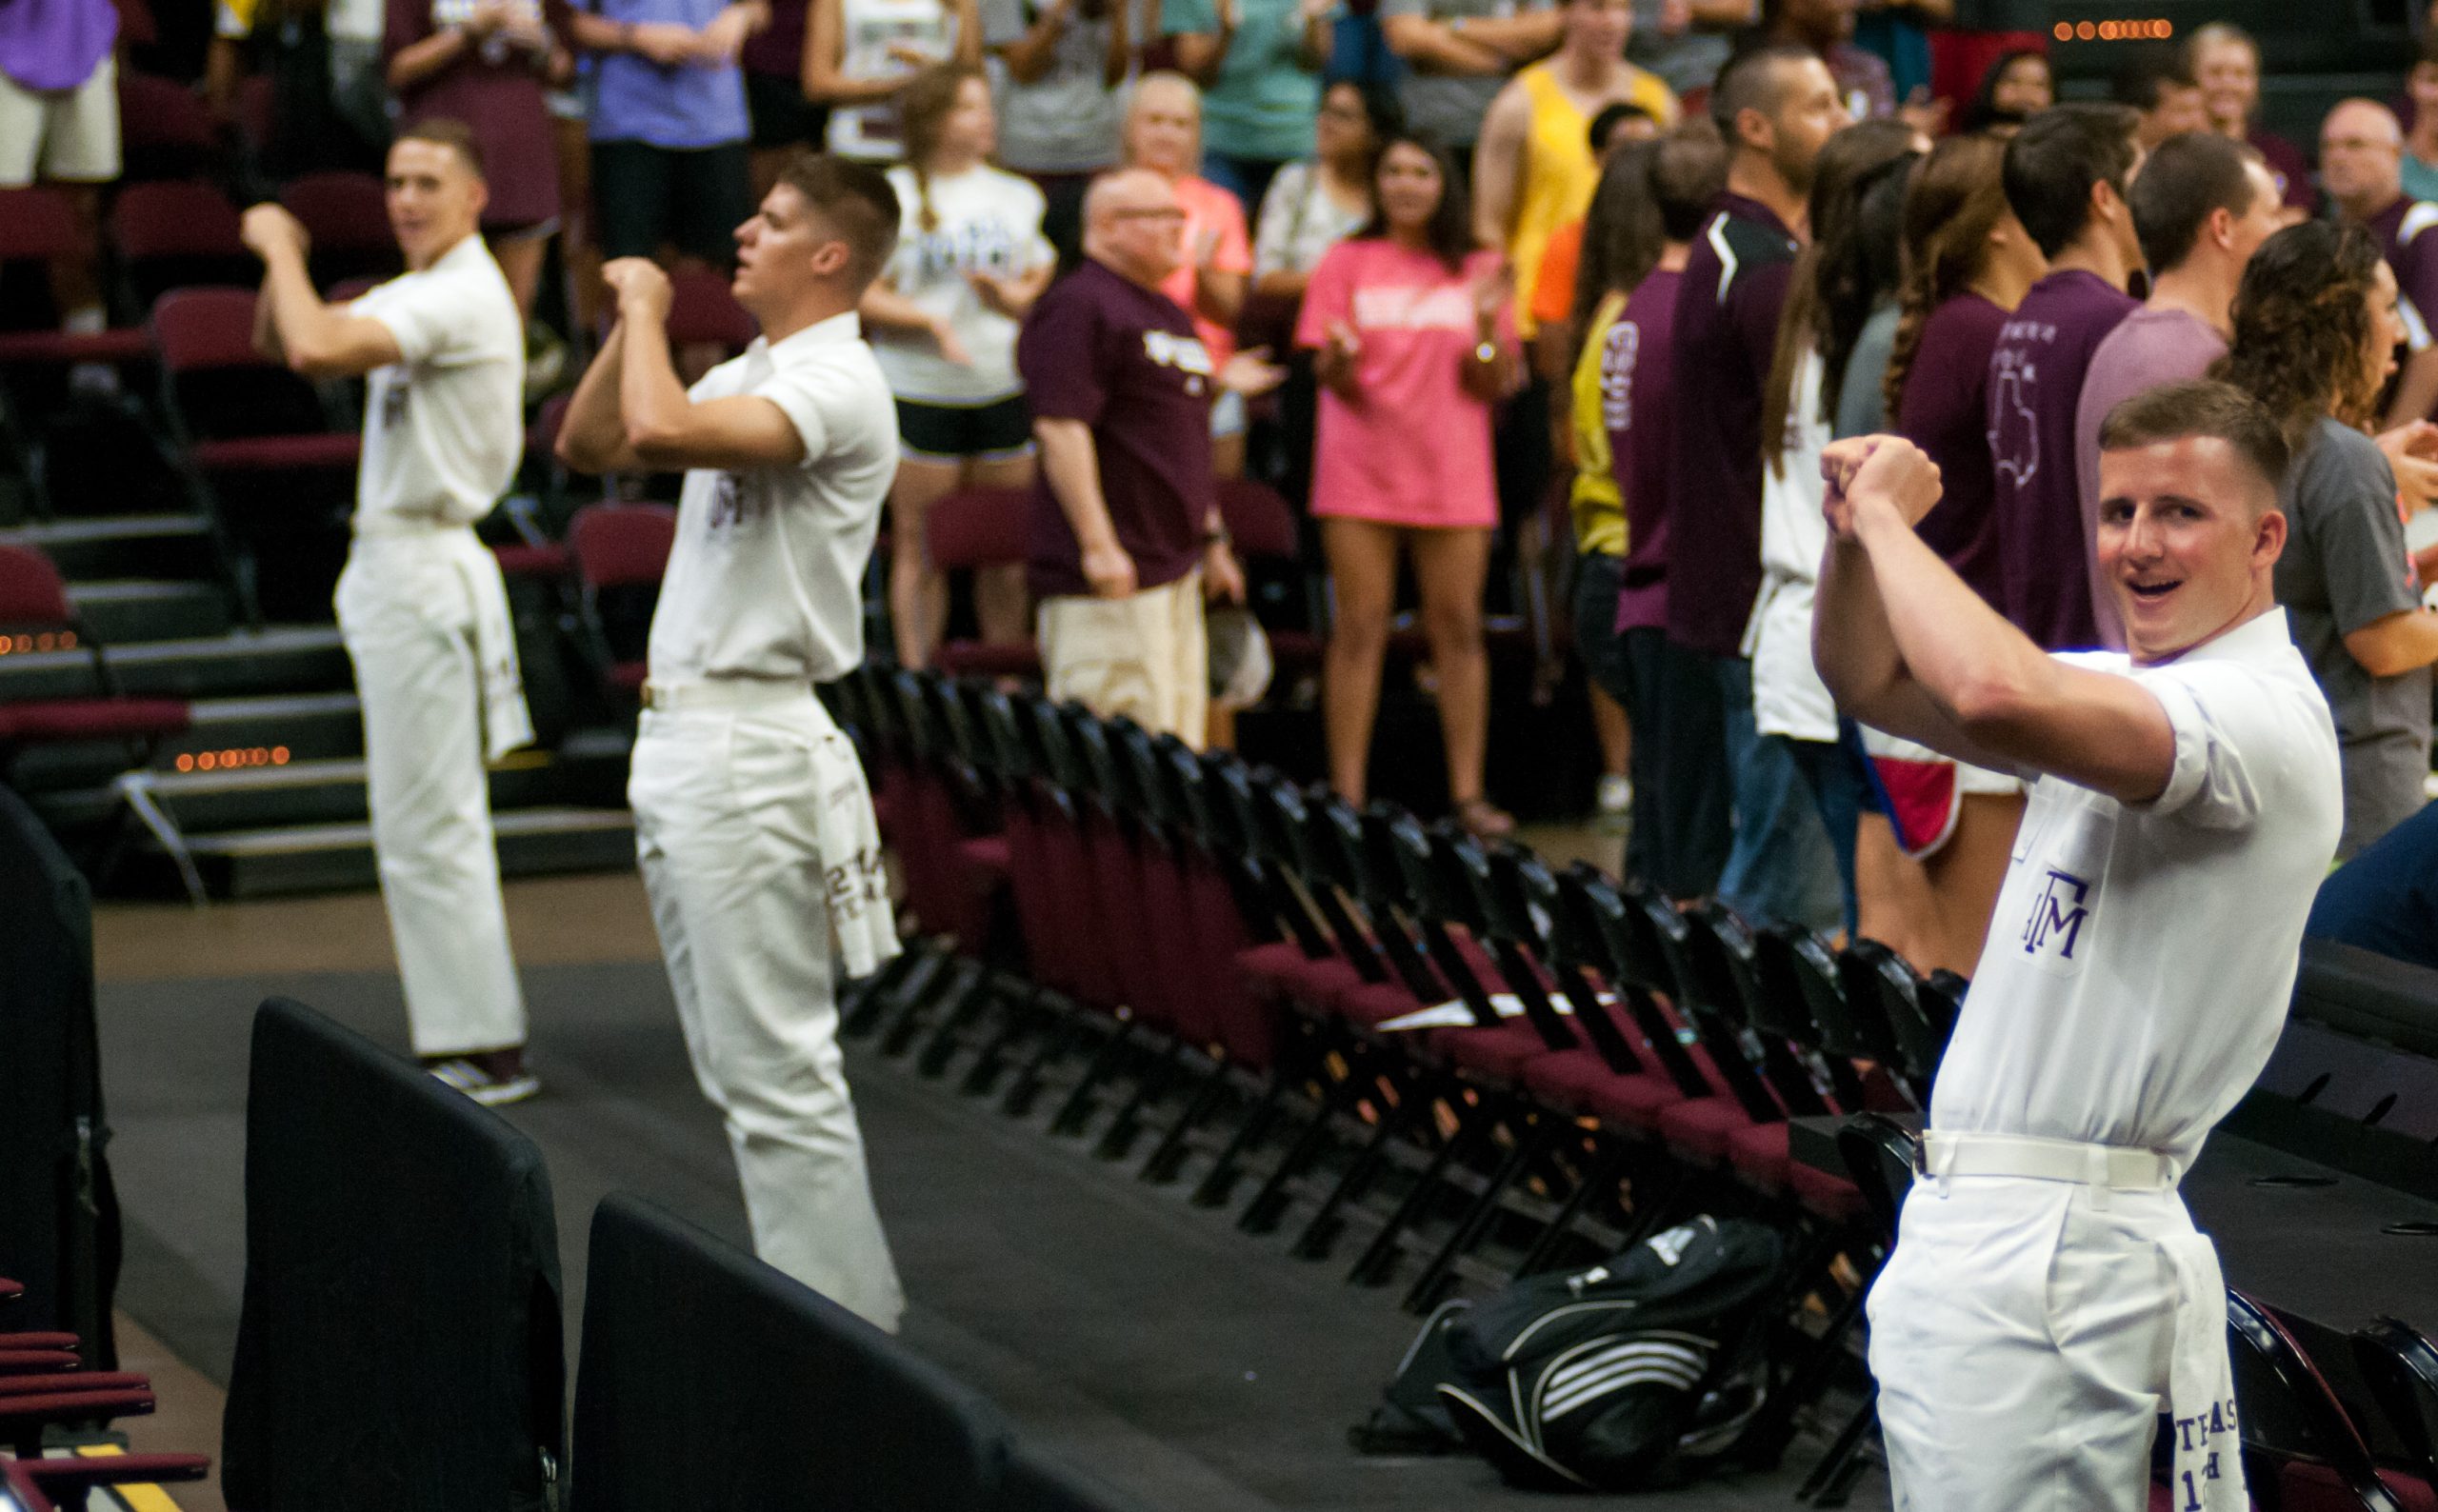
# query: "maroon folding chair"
177,235
164,129
2302,1449
702,313
348,216
37,227
63,1484
1262,529
981,527
36,616
620,549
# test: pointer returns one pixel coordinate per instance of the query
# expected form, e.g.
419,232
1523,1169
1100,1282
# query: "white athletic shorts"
69,136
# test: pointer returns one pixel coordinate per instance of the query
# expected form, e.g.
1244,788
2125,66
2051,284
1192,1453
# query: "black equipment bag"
59,1220
1637,1372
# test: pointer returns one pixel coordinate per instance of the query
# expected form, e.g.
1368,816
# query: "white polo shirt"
444,427
766,579
2141,955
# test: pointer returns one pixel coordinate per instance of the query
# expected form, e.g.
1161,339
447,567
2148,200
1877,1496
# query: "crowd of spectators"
1426,270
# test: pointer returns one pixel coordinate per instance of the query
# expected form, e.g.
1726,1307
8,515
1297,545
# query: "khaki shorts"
66,136
1142,656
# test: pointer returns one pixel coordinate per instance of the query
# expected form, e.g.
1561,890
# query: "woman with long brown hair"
943,315
1829,294
2316,330
1941,845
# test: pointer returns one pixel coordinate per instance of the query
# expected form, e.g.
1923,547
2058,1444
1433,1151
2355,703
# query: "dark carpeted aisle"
1119,1326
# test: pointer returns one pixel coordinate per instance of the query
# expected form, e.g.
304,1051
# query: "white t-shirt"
989,221
869,133
2140,956
1788,696
766,577
444,428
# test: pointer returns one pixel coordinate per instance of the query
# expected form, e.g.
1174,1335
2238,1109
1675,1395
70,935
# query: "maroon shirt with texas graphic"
2036,381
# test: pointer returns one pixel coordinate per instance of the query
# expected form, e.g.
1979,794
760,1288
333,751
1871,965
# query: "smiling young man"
2048,1297
420,604
753,823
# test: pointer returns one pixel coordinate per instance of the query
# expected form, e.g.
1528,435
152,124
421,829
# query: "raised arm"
1906,646
318,340
592,438
1498,165
666,429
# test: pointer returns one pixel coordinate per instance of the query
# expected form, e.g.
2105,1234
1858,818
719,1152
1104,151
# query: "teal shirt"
2420,178
1262,105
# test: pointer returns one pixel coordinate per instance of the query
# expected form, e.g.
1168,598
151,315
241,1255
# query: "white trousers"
408,619
725,805
2022,1337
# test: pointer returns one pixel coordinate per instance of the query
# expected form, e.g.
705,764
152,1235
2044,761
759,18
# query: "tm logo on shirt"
2059,910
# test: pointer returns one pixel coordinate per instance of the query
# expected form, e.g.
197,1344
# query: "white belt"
735,692
2208,1470
2102,1167
386,526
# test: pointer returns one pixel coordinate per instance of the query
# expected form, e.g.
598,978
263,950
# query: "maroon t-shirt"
2036,381
1726,330
501,101
2405,231
1639,403
1123,359
1946,412
777,48
2288,166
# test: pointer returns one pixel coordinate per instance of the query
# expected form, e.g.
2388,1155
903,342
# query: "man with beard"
1776,106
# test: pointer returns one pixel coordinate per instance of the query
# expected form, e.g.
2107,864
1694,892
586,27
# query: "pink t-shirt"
1414,448
1209,208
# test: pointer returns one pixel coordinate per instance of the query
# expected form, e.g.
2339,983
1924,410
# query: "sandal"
1484,820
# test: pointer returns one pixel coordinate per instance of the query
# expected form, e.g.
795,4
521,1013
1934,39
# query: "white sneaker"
492,1091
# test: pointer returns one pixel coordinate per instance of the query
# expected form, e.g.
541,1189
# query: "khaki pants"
1142,656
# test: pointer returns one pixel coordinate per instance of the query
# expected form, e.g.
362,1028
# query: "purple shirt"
1638,385
1945,410
1726,328
2288,166
55,44
2150,348
2403,230
679,107
1123,359
2036,383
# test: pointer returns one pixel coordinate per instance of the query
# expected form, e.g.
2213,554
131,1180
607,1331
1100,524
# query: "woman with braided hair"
1945,845
2316,330
971,260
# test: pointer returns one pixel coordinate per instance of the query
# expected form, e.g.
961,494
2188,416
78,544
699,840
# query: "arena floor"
1201,1369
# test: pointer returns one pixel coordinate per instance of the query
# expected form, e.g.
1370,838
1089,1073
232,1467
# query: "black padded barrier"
400,1347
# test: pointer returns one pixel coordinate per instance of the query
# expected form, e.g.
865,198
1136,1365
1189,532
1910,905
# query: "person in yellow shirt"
1533,170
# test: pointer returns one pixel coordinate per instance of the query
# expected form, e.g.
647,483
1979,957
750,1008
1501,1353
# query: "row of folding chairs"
47,1392
1449,1057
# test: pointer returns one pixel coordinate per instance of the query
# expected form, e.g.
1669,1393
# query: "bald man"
2361,168
1127,537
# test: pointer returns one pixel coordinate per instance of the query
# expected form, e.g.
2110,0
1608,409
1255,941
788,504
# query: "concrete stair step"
228,734
126,611
123,546
270,794
283,659
286,859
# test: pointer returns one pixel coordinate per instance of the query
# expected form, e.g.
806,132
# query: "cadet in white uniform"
2048,1296
421,603
753,821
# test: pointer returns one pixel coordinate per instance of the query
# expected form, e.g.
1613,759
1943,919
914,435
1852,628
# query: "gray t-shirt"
1445,106
1688,61
2344,566
1862,408
1066,121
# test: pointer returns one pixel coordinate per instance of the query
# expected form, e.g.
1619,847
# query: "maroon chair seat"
983,659
1499,1053
43,1484
613,547
334,451
165,127
1757,1153
66,719
1375,1003
178,234
1700,1128
986,854
349,220
1299,651
32,348
628,677
702,312
528,559
1580,1082
1281,969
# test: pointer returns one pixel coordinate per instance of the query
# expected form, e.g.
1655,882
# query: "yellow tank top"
1559,170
